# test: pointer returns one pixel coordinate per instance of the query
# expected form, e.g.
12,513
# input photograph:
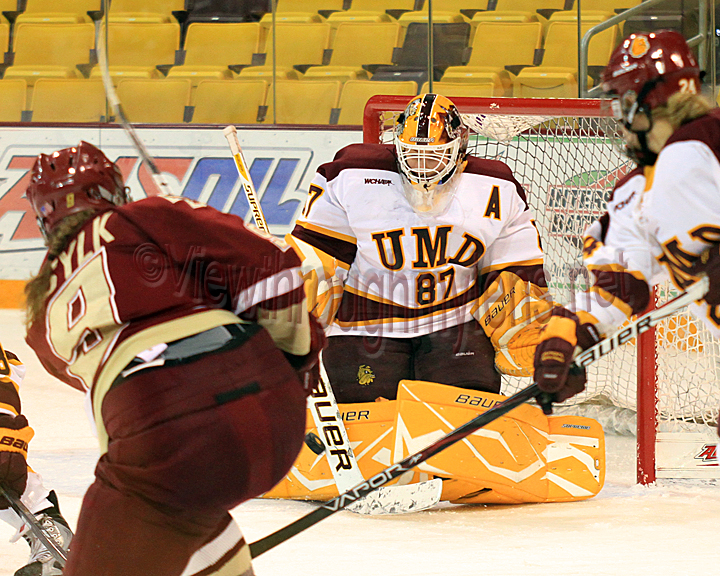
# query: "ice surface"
626,530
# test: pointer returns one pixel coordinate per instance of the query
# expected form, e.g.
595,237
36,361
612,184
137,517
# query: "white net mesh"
568,166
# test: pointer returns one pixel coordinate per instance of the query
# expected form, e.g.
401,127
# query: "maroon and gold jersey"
155,271
375,267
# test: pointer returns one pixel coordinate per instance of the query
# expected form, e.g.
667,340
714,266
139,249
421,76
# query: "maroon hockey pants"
187,444
363,368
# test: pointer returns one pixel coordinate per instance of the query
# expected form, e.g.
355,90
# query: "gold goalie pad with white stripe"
371,431
524,456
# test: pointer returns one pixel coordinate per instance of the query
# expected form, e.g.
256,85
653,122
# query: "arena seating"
54,11
68,100
223,49
211,48
358,44
229,101
147,100
13,96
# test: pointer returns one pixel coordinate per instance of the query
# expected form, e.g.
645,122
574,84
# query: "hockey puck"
314,443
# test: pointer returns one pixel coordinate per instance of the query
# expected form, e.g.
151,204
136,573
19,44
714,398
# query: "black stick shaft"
385,476
29,518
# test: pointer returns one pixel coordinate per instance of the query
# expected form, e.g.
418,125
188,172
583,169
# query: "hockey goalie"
425,267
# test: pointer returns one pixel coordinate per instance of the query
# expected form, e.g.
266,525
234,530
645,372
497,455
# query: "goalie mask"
72,180
431,146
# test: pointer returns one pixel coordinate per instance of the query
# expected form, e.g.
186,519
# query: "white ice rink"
626,530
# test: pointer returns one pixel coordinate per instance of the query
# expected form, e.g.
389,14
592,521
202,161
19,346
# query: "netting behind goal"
567,156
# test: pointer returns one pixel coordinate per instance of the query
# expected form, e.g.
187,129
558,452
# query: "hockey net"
567,156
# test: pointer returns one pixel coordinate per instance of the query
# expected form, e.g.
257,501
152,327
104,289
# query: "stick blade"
399,499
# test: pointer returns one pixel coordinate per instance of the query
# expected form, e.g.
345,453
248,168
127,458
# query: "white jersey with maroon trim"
378,267
12,373
657,225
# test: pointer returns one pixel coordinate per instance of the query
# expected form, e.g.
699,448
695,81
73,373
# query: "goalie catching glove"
15,434
554,354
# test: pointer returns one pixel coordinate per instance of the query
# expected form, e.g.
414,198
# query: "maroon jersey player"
189,332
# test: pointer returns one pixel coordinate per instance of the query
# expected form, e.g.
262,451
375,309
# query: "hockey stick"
29,519
230,133
397,499
602,348
158,177
346,473
383,477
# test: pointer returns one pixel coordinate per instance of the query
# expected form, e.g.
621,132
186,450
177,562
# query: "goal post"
567,154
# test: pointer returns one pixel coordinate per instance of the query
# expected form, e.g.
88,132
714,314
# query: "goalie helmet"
646,69
72,180
431,146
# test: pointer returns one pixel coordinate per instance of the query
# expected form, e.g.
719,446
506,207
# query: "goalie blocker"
522,457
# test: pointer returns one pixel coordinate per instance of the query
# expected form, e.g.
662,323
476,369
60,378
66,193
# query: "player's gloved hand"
709,265
15,434
308,366
554,354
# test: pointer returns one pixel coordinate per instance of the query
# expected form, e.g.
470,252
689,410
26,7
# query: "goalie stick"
396,499
602,348
162,183
29,519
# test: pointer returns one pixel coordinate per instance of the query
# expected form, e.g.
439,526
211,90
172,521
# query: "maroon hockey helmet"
72,180
646,69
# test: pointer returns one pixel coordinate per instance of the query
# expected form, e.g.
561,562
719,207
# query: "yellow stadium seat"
356,93
147,100
609,5
59,12
296,45
50,50
504,16
4,36
557,75
496,45
303,102
68,100
308,6
358,43
211,47
12,100
150,11
518,11
587,16
530,5
455,89
229,101
134,49
372,10
444,11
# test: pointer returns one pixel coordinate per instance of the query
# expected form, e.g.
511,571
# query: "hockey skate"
42,562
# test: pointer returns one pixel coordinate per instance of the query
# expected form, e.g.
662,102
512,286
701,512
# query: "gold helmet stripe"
426,109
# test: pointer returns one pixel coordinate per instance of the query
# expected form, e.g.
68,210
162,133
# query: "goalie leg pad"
371,430
521,457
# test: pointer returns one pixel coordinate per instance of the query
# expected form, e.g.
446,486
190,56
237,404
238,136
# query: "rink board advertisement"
197,162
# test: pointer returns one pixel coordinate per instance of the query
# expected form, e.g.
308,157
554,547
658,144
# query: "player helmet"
431,145
646,69
72,180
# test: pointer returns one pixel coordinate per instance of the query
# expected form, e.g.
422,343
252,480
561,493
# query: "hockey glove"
709,265
554,356
15,434
308,366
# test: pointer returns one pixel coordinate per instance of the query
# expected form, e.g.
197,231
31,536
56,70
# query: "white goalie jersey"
375,267
658,222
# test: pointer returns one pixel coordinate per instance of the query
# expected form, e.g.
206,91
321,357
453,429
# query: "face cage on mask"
435,164
643,155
